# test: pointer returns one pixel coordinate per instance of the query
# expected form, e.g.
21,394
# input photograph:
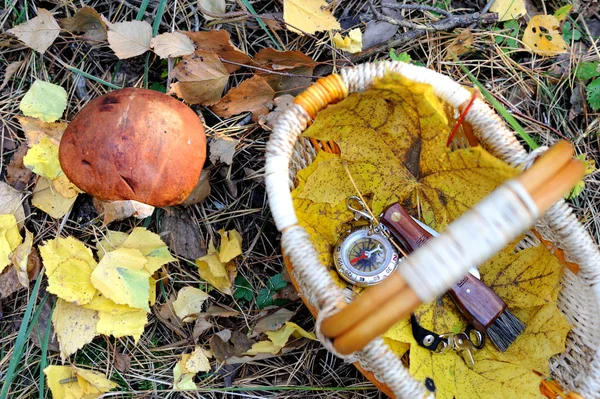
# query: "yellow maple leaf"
543,36
42,159
351,43
69,265
308,16
74,325
189,302
49,200
118,325
151,246
10,239
508,9
392,141
121,277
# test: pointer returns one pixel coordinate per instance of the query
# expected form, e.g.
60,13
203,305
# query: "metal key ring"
479,340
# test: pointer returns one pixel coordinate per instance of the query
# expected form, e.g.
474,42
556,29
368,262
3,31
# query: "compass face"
364,258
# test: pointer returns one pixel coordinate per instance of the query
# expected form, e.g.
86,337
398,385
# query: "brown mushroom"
134,144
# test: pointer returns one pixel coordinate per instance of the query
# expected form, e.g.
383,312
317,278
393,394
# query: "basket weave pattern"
577,369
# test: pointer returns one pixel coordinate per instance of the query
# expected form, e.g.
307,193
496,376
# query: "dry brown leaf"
219,42
222,148
461,45
88,21
11,203
17,174
173,44
296,67
9,72
129,39
272,322
278,106
38,33
122,362
202,78
251,95
182,233
200,327
120,210
9,282
201,191
35,130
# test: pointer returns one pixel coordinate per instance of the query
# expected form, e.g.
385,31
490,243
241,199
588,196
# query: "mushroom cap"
134,144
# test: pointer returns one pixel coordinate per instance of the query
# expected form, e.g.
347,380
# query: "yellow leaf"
120,276
152,294
20,258
197,361
543,36
299,331
351,43
181,380
11,202
64,187
308,16
173,44
61,384
42,159
45,101
102,304
231,245
525,279
189,302
69,265
399,348
508,9
74,325
264,347
217,273
562,12
118,325
151,246
93,381
46,198
38,33
10,239
129,39
111,241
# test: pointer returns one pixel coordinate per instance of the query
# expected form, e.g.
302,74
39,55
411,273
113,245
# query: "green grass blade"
261,23
21,338
92,77
44,355
499,107
142,10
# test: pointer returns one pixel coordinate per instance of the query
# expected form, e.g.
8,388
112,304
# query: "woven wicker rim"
577,369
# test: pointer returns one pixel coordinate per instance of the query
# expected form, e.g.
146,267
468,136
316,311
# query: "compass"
365,257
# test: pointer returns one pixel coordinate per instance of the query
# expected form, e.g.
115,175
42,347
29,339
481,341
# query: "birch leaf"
222,148
74,325
351,43
61,383
202,78
509,9
69,265
121,277
118,325
35,130
174,44
20,258
45,101
543,36
129,39
308,16
219,42
10,70
38,33
10,239
11,202
42,159
49,200
93,382
213,6
151,246
188,304
88,21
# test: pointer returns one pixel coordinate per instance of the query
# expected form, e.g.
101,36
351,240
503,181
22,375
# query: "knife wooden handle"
478,303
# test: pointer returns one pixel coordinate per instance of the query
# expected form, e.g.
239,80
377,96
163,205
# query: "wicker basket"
577,369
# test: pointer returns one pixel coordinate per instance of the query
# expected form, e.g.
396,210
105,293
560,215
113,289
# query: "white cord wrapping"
469,241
